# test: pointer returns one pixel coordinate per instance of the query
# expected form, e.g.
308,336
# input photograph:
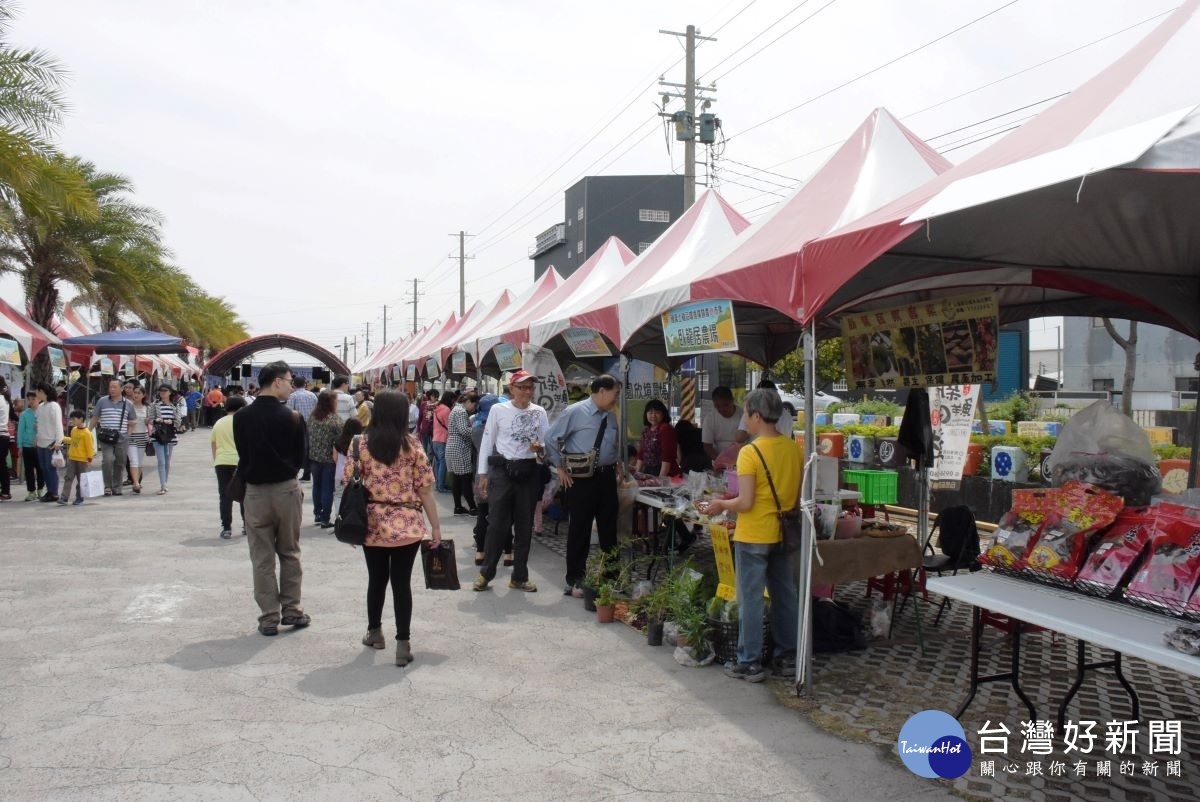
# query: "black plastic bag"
836,628
441,570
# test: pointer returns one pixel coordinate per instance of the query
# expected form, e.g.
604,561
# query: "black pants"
510,514
5,477
462,486
34,481
481,527
224,474
390,564
590,500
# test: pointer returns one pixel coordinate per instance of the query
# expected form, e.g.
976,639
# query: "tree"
1129,346
31,110
789,371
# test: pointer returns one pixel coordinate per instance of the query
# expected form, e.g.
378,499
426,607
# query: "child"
81,451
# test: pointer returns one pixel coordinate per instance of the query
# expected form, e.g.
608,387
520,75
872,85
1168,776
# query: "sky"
312,158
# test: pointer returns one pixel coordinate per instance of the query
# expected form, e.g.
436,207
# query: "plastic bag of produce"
1102,447
1079,511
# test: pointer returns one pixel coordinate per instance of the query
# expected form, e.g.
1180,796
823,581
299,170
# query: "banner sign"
931,344
951,411
127,367
550,392
58,357
702,327
396,373
10,352
432,370
507,357
586,342
106,366
410,373
647,381
458,362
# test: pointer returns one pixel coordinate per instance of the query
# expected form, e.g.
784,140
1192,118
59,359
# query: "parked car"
820,402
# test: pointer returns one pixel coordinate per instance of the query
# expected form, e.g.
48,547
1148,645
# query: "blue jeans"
322,490
439,467
162,455
759,566
49,472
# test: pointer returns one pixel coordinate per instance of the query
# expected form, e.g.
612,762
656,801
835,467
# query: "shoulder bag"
789,522
111,436
164,433
350,526
583,466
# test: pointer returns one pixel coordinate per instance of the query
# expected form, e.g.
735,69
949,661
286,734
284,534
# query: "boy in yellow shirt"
81,450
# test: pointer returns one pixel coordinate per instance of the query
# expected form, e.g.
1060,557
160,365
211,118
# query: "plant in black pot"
657,606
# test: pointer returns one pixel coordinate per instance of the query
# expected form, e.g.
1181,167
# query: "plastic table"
1122,629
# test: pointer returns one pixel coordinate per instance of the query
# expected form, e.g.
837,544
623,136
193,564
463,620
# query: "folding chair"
959,546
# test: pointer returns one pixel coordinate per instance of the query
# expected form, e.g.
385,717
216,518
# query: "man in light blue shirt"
582,427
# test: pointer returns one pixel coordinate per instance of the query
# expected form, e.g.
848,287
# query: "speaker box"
247,371
235,373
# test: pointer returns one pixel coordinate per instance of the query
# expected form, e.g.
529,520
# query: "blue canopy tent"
133,342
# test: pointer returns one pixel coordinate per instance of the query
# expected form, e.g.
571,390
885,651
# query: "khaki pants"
273,530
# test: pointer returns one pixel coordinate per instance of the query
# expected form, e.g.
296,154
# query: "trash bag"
1102,447
879,618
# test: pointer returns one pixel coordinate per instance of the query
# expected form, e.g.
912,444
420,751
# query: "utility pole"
462,270
416,295
367,343
354,343
345,348
385,324
685,121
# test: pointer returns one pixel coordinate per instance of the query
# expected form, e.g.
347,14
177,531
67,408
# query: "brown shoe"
374,639
403,653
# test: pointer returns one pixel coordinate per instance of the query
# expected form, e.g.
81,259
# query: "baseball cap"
520,376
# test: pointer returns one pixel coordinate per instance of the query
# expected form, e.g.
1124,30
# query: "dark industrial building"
634,208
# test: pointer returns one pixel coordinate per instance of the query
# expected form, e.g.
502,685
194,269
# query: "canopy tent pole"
622,440
808,536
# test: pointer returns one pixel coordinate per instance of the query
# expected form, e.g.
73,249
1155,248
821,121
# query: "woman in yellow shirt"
760,562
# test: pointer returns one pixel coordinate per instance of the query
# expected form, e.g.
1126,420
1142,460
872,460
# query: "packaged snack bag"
1078,511
1118,553
1168,578
1013,534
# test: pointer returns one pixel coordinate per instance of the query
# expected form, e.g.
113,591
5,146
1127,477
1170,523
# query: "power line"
998,116
762,170
980,139
763,180
756,36
873,70
773,41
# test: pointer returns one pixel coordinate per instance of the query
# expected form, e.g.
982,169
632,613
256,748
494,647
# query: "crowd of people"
494,454
52,445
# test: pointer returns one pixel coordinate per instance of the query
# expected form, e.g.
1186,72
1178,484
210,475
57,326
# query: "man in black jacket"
270,443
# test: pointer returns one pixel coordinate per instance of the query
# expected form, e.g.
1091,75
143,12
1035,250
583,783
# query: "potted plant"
606,603
594,575
656,605
693,630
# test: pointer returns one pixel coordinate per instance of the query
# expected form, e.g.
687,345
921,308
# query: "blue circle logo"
856,448
1004,463
933,744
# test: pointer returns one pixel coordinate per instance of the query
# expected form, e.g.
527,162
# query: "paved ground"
130,669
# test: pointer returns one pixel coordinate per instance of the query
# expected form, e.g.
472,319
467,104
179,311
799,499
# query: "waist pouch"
580,466
521,470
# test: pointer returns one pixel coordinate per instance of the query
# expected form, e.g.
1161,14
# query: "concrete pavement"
130,669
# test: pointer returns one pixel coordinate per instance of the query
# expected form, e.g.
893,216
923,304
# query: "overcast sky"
312,158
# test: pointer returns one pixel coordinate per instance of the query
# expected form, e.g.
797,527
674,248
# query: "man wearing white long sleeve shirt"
511,476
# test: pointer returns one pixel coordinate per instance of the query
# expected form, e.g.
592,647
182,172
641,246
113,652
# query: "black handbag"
149,448
112,436
350,526
790,527
439,566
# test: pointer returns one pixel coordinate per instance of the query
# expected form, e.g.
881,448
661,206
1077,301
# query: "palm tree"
31,110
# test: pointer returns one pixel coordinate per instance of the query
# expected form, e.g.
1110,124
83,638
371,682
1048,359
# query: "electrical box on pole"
684,126
707,131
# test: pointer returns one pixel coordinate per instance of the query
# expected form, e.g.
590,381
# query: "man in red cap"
511,475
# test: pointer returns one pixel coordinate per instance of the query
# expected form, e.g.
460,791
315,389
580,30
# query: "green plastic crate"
876,487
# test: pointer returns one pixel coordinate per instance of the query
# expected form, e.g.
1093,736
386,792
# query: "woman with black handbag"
164,418
768,471
398,480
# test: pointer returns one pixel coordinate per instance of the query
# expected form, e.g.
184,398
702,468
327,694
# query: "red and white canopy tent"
1087,209
481,341
708,226
387,355
475,320
760,269
421,347
30,336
